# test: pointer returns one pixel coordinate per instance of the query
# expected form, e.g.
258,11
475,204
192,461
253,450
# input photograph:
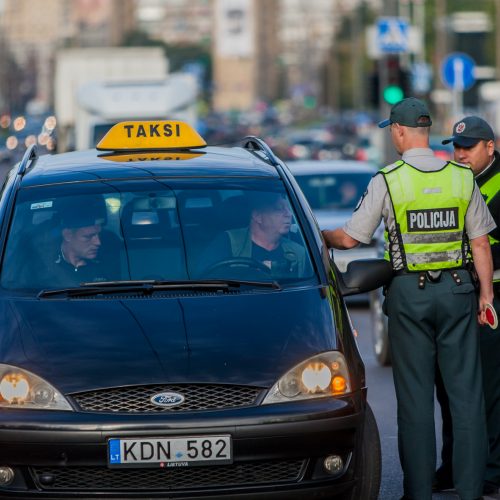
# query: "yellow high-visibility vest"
429,210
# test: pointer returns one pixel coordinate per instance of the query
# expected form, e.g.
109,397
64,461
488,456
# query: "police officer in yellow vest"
474,145
433,212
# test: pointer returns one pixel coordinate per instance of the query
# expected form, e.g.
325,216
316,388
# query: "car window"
333,190
61,237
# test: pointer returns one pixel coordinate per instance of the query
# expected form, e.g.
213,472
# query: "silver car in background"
333,188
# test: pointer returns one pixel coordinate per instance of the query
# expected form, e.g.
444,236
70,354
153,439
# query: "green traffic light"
310,102
393,94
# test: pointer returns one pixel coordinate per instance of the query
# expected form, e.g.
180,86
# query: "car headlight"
322,375
22,389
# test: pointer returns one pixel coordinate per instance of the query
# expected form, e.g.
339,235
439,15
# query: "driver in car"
263,244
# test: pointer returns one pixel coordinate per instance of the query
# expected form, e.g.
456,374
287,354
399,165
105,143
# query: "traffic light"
398,81
405,82
393,94
373,88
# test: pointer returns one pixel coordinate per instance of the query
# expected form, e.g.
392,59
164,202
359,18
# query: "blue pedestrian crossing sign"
457,71
392,35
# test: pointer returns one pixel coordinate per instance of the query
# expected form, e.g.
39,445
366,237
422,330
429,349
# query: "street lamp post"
497,39
356,64
390,9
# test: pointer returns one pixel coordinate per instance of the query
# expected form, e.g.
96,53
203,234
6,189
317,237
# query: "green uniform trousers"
489,341
490,360
437,324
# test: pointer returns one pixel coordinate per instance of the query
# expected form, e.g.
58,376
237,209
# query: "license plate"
170,452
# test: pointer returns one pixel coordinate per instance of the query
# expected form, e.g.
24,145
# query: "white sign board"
234,33
490,91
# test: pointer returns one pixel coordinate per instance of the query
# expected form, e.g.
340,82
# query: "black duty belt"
431,276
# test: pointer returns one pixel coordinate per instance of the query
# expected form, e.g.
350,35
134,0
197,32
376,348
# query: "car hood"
245,338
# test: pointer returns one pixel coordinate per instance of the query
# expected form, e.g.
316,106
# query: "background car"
176,369
333,189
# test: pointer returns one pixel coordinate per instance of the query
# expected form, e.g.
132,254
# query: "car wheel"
369,466
379,329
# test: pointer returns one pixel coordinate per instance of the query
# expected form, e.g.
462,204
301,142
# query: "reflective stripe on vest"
429,210
489,189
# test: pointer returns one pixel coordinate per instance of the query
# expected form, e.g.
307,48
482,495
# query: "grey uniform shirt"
376,203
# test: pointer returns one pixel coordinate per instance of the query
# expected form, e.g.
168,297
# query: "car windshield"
326,191
65,235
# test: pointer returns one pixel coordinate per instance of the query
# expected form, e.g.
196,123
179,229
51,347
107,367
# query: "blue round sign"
457,71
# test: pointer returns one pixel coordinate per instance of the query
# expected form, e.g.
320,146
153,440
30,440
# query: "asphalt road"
383,401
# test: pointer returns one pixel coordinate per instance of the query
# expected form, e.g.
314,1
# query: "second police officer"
474,145
432,211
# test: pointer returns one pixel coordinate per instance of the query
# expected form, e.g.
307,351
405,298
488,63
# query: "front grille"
138,398
100,478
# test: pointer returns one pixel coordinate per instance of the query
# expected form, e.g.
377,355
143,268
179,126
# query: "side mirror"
364,275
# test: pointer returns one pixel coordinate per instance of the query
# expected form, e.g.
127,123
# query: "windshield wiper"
150,286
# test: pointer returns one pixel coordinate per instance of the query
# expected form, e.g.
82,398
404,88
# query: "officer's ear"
396,128
490,148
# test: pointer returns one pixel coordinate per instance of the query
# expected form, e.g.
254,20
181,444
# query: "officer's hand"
325,236
485,298
481,317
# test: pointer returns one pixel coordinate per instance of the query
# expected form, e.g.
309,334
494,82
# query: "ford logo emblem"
167,399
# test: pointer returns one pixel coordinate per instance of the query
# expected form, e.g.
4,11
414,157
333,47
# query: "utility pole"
404,11
356,61
389,155
440,26
333,79
404,8
441,30
419,18
497,38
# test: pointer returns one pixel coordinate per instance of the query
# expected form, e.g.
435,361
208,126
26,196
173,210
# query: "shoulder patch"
361,200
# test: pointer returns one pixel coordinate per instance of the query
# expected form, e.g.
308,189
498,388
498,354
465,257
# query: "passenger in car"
78,250
76,260
263,244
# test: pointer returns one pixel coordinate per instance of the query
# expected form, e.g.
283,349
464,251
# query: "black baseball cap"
411,112
469,131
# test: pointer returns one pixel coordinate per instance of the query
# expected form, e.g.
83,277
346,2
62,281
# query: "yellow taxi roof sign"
148,135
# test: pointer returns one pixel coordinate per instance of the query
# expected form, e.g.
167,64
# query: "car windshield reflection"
166,232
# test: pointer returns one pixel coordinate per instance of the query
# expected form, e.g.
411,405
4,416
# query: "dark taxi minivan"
163,359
